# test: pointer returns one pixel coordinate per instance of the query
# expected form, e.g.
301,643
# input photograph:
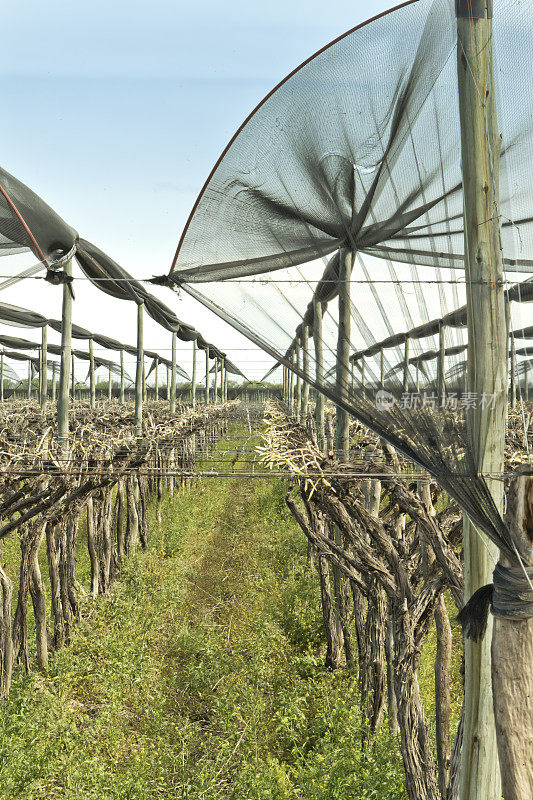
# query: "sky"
115,112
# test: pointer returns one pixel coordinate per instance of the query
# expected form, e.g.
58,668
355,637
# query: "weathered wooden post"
363,382
28,393
168,384
92,383
291,381
342,430
122,377
382,368
44,366
139,373
173,376
193,381
73,376
215,382
156,379
64,367
1,378
109,384
513,370
487,364
207,376
305,367
297,353
54,382
319,371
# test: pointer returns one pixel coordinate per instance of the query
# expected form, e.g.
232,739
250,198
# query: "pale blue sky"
114,112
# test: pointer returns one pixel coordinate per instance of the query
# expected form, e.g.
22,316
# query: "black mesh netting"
359,150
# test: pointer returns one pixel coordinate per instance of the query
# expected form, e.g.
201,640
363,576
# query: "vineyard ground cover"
201,675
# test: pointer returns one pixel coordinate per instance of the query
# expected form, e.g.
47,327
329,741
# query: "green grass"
201,676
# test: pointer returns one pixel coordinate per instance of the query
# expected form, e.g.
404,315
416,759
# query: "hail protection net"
360,148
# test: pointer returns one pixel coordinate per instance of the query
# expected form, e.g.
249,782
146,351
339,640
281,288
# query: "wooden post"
305,367
291,382
54,382
440,365
1,378
513,370
173,377
512,659
363,372
487,364
382,368
319,371
44,366
64,368
207,376
92,383
342,432
122,377
139,374
109,384
168,384
298,408
73,378
406,365
156,379
28,392
215,382
145,392
193,382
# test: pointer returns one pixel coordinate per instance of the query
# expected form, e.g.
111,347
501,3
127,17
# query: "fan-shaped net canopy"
359,151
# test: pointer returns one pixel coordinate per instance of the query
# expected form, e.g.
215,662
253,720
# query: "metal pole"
44,366
487,366
73,386
382,368
156,379
54,382
215,381
109,384
2,378
122,376
342,432
29,380
193,382
139,373
319,370
168,384
173,378
92,382
64,368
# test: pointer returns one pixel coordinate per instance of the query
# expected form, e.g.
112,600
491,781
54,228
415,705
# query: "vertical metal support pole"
173,376
207,376
122,377
139,373
92,383
406,365
440,365
44,366
156,379
487,366
342,431
319,370
64,368
109,384
193,383
305,367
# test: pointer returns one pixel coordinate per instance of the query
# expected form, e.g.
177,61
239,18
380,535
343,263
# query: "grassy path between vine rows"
201,676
